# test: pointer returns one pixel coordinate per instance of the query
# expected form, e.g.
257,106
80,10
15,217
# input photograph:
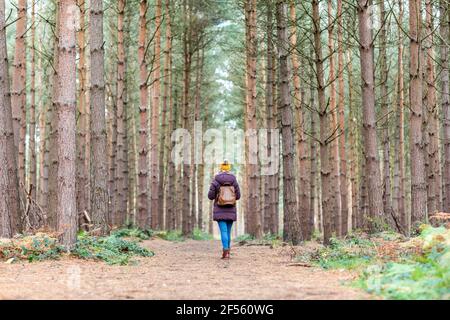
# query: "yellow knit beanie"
225,166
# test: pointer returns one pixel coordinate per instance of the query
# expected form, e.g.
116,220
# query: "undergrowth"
112,249
418,276
390,265
268,239
32,248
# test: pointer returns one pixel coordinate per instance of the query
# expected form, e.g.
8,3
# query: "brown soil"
184,270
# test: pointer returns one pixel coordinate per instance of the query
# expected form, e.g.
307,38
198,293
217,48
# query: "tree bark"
369,121
418,185
121,178
32,181
334,155
445,99
325,167
253,187
385,112
143,215
18,92
155,199
65,105
343,183
432,126
292,228
99,169
398,200
186,178
271,218
9,184
301,144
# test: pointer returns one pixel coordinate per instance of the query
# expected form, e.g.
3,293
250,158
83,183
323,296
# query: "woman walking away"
225,192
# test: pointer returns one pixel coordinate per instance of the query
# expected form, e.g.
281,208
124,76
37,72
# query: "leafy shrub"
32,248
171,235
268,239
424,276
244,237
349,253
135,233
201,235
111,249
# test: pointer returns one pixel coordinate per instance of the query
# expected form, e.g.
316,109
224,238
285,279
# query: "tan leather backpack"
226,196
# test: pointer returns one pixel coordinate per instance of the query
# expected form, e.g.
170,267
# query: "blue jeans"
225,232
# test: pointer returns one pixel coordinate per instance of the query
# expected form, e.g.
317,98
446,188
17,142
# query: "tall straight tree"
341,117
302,154
18,90
334,155
168,104
252,209
187,61
65,107
325,167
121,177
418,185
271,218
82,121
384,97
155,197
99,169
32,117
143,218
9,185
398,201
292,229
369,121
444,13
432,125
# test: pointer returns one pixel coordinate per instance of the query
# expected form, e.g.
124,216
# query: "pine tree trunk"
170,208
313,156
343,184
121,178
445,99
292,228
18,92
398,203
82,170
143,215
434,169
99,168
155,201
271,217
32,181
385,112
418,185
301,144
198,176
334,155
353,139
187,57
253,205
164,155
52,116
369,121
325,166
65,105
9,184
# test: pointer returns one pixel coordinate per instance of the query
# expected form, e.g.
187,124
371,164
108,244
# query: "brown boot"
225,254
228,253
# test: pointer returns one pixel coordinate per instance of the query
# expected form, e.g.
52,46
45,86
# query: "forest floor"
179,270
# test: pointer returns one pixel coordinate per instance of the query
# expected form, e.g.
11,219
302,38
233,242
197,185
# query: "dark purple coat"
223,213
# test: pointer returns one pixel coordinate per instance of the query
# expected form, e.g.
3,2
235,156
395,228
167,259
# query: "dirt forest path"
179,270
